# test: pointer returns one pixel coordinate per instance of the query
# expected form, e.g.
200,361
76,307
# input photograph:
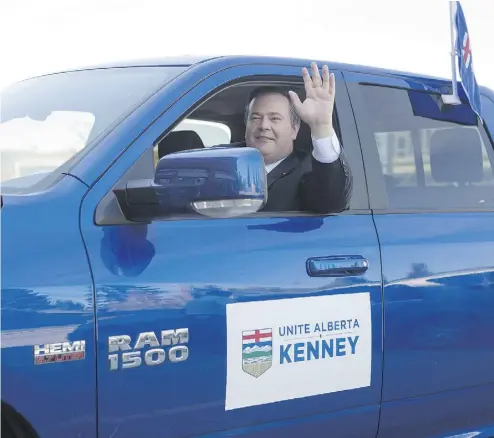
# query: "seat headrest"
456,156
177,141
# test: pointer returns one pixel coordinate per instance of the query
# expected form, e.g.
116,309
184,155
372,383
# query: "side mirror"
218,182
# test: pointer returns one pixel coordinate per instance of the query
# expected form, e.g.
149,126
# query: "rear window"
45,122
432,156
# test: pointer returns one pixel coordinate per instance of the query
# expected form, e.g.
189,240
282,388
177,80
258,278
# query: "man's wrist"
321,131
327,149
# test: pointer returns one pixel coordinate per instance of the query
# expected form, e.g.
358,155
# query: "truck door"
431,183
212,326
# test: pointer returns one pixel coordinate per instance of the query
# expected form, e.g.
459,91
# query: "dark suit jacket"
301,183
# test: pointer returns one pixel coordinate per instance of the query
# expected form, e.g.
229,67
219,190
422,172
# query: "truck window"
431,157
220,120
47,122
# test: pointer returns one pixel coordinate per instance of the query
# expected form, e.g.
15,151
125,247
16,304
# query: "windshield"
47,121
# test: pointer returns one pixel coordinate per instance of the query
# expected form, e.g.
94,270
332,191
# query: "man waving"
320,182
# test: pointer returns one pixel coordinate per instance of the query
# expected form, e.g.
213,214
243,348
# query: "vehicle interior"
219,119
224,112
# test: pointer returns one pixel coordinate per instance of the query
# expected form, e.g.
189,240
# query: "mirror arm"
141,192
138,200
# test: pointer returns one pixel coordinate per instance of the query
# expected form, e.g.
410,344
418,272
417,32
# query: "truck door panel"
191,274
431,191
48,322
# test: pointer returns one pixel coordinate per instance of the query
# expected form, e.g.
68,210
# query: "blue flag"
465,60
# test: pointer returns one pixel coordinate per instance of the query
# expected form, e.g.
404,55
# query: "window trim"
489,129
375,179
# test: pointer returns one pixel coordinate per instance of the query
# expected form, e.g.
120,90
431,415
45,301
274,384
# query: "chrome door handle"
336,266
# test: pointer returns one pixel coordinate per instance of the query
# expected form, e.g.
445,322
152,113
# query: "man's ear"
295,130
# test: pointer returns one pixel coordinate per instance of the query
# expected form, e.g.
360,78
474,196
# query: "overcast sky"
42,36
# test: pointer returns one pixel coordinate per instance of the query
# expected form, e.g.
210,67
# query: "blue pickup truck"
146,293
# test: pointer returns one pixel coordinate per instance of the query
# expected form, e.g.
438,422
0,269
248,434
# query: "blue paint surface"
430,277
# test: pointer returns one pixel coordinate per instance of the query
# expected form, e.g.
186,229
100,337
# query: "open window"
220,119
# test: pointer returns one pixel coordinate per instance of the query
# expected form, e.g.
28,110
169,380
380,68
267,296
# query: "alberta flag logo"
257,351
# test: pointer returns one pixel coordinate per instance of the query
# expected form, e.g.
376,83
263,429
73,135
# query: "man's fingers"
309,87
316,77
326,78
327,83
295,100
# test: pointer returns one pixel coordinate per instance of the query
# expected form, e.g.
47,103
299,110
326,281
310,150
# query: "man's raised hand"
317,109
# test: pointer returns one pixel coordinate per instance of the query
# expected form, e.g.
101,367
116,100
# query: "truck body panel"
185,275
438,275
181,317
47,298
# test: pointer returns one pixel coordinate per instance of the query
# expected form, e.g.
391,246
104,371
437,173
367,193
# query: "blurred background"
42,36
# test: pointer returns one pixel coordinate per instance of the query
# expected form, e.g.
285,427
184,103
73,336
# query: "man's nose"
265,124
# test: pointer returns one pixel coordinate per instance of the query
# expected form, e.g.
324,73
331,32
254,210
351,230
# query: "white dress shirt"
326,150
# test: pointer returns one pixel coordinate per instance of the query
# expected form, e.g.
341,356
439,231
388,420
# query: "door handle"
336,266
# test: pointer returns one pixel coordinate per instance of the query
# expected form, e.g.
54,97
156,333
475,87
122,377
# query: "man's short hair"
270,89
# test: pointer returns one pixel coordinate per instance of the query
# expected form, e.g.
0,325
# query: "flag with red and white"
257,336
465,57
